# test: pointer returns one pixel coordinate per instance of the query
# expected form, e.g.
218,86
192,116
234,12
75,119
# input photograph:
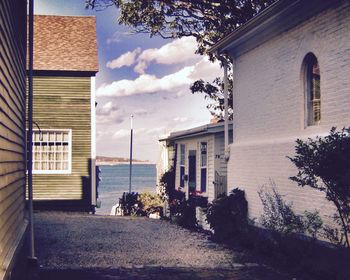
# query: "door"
192,171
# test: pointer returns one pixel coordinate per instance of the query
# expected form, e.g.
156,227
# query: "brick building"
291,80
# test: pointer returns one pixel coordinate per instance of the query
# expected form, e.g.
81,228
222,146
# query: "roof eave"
197,131
279,17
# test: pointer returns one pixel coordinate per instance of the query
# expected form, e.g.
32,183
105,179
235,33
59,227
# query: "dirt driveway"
79,246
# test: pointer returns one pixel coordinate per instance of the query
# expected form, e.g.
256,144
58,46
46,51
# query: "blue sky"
146,77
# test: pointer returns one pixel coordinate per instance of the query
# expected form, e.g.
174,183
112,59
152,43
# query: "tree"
206,20
324,165
215,92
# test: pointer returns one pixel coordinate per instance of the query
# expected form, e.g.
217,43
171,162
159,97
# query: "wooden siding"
194,144
12,128
64,103
220,161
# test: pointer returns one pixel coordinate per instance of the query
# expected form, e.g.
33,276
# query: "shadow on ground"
261,273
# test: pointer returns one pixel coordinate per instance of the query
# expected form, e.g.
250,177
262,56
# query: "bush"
134,204
198,201
228,215
150,203
167,184
129,203
324,165
279,216
183,213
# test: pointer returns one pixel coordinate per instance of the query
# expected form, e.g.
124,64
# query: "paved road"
79,246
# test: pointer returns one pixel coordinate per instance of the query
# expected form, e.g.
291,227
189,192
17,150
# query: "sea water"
115,181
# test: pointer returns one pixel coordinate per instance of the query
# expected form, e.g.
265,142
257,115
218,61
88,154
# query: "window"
313,90
52,151
203,148
182,165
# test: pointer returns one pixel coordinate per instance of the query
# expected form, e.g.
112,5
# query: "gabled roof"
197,131
279,17
65,43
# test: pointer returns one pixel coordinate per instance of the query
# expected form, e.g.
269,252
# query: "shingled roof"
65,43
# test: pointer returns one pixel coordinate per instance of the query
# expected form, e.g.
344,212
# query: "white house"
199,159
291,66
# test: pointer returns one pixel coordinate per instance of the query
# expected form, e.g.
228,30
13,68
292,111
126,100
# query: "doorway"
191,171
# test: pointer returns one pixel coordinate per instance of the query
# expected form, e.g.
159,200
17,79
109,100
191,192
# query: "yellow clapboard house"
13,224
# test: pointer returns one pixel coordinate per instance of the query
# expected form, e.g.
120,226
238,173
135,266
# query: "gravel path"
67,240
71,243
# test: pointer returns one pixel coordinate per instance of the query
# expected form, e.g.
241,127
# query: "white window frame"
182,163
182,159
70,144
206,153
203,166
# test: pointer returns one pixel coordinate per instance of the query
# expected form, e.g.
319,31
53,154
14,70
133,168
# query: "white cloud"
206,70
147,84
108,113
151,84
181,119
125,59
141,112
106,109
177,51
124,133
121,134
117,37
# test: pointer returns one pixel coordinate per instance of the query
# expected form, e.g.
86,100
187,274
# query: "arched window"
312,90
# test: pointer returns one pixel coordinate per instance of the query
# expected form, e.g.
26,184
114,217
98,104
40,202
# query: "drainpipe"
227,152
30,131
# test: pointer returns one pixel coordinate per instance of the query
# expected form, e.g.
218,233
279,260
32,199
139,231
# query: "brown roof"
65,43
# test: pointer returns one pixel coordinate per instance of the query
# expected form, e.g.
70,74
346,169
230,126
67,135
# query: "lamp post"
130,169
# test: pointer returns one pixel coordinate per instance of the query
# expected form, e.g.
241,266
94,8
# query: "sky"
148,78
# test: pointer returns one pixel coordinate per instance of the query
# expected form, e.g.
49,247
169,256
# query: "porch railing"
220,184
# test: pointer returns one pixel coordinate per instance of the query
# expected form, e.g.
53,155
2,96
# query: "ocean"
115,181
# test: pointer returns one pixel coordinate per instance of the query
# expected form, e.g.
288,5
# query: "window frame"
182,165
70,145
309,101
202,167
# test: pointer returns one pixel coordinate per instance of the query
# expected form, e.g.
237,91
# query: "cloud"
117,37
206,70
146,84
181,119
106,109
177,51
108,113
123,133
125,59
141,112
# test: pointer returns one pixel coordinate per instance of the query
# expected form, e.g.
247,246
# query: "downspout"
30,130
227,152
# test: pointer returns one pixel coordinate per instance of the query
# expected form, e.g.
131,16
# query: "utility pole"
131,134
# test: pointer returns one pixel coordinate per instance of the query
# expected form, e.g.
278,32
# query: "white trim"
93,141
70,147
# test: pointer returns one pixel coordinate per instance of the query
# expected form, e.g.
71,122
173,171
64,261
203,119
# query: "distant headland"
102,160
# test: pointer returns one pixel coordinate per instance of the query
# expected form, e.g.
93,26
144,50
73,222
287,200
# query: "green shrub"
279,216
150,203
324,164
167,184
183,213
228,215
129,203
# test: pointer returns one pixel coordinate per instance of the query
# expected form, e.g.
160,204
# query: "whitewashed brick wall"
269,106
